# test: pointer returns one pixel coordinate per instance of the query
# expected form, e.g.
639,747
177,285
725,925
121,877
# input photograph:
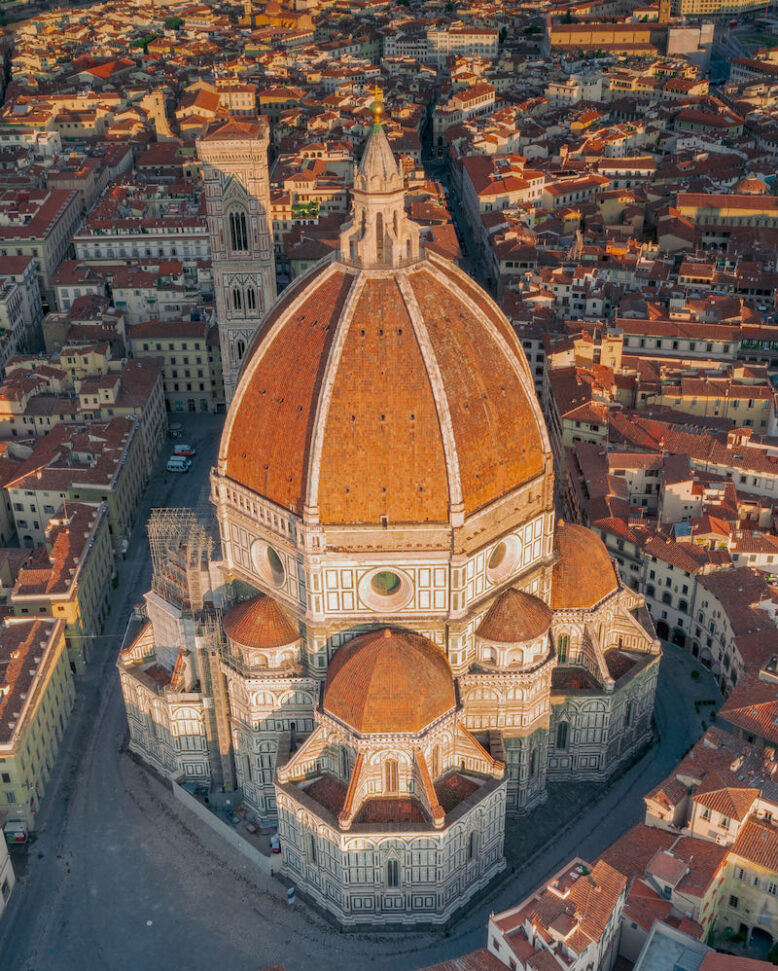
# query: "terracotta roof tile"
259,622
583,574
392,381
758,842
515,616
389,681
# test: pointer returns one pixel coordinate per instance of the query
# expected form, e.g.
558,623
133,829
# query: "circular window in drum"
268,563
503,559
385,590
385,583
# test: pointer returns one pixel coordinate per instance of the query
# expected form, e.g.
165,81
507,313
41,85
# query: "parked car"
178,463
184,450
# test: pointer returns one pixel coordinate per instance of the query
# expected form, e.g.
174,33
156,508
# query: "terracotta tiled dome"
515,616
752,185
385,382
583,574
259,622
389,681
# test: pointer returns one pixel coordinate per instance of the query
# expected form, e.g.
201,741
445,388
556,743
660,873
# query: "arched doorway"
761,942
662,630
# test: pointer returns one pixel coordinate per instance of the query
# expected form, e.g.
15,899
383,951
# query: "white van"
178,463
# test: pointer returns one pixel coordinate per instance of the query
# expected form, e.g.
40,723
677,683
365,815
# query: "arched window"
390,775
379,236
344,763
471,845
561,647
393,874
240,347
312,848
561,735
251,299
533,763
239,237
237,299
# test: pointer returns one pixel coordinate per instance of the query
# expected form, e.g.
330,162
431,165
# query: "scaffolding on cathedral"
181,546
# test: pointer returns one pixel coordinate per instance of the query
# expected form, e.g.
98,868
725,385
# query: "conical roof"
378,171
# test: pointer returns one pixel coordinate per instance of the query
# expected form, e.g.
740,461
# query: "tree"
568,17
173,23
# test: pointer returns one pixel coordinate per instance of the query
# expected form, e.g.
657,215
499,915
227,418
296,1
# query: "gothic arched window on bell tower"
251,298
240,349
237,299
239,236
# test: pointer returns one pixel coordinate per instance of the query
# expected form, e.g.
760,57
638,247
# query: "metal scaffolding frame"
181,545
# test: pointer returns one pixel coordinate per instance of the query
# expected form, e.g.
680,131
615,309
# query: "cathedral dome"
583,574
515,616
385,385
389,681
259,623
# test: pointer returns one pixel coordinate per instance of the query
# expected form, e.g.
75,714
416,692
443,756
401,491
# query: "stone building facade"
400,643
237,197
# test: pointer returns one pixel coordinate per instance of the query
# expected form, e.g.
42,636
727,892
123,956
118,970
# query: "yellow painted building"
36,697
190,354
747,404
7,877
713,8
748,904
70,578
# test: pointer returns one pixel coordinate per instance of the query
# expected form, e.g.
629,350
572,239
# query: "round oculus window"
503,559
268,563
385,583
385,590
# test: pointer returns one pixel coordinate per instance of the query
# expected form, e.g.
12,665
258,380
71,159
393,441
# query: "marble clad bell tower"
235,174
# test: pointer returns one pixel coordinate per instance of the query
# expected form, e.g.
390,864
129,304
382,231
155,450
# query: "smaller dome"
389,681
583,574
751,185
260,622
515,616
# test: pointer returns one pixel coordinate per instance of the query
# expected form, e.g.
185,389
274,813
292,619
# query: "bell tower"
235,175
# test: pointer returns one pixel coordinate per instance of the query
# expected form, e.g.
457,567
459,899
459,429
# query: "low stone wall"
265,863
